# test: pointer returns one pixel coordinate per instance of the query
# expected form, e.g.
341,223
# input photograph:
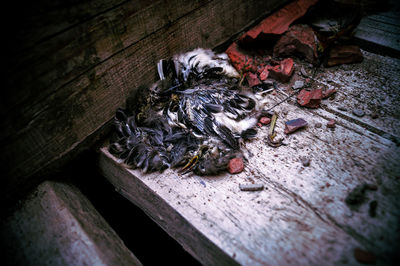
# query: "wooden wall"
70,64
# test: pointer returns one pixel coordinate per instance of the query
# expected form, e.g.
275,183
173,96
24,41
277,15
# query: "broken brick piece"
299,40
293,125
283,71
252,79
235,165
265,73
265,120
240,60
331,124
328,93
311,99
344,54
278,22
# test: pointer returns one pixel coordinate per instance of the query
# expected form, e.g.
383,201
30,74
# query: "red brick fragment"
295,124
238,58
281,72
328,93
252,79
331,124
235,165
265,73
344,54
265,120
364,257
311,99
299,40
278,22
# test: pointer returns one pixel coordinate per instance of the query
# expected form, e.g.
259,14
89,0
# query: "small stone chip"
235,165
295,124
251,187
305,161
265,120
331,124
298,84
358,112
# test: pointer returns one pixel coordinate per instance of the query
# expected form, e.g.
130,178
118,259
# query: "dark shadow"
150,244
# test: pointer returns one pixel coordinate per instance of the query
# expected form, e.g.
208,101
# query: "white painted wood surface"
300,218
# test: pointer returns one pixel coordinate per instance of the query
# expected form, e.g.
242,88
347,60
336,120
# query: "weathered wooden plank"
36,73
32,23
270,227
380,32
42,134
57,225
301,218
371,86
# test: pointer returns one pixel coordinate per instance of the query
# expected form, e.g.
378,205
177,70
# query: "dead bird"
195,116
151,145
195,64
215,110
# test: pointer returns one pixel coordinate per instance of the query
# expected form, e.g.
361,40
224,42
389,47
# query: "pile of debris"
205,105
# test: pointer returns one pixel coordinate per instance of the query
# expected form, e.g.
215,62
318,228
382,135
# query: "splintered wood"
301,216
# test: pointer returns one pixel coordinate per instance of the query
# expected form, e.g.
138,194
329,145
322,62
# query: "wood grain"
57,225
301,217
380,32
54,120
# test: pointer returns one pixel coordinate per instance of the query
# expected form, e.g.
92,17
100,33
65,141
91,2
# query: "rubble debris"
283,71
295,124
240,60
264,73
265,120
344,54
304,72
373,205
305,161
358,112
374,115
299,40
331,123
327,93
356,197
252,79
364,257
251,187
318,125
298,84
235,165
278,22
311,99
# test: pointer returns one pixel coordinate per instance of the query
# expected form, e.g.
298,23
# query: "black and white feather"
196,64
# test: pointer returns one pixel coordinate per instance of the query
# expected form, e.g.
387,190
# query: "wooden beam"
57,225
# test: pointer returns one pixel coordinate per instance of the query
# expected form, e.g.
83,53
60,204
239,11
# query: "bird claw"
190,165
274,143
